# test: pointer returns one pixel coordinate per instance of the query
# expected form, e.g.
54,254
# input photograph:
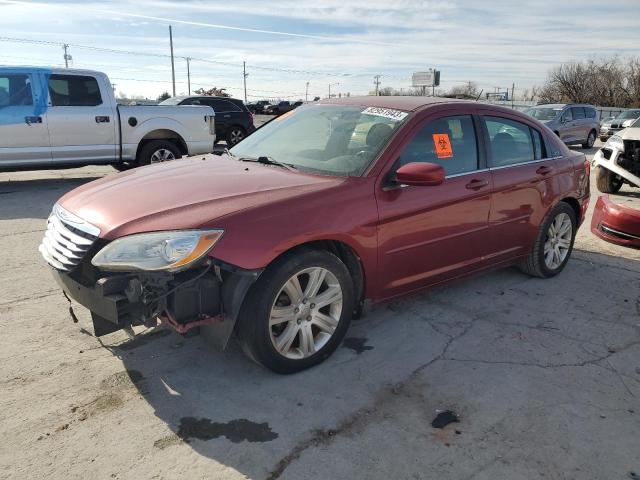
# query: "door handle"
29,120
476,184
544,170
102,119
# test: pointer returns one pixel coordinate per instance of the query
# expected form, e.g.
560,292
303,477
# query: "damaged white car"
618,161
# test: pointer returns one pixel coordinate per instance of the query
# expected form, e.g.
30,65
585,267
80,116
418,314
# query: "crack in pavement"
360,416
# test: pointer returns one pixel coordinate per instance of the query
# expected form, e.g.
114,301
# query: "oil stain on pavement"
356,344
235,430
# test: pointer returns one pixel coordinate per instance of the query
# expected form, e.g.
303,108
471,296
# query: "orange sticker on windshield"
284,115
443,145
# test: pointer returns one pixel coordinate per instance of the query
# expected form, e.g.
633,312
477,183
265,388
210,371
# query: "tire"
607,181
536,264
259,338
157,151
591,139
234,135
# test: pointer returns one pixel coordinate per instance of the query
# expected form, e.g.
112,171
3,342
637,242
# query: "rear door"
581,124
82,122
24,138
524,183
429,234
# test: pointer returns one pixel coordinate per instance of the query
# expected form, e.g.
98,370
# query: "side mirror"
420,174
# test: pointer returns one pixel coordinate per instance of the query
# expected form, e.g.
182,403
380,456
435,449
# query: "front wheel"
297,312
554,243
607,181
157,151
591,139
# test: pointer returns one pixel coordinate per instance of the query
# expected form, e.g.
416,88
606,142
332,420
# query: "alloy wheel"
162,155
305,313
558,242
591,140
236,135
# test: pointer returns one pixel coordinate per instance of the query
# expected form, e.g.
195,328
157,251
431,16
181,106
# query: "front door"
24,138
429,234
523,184
82,123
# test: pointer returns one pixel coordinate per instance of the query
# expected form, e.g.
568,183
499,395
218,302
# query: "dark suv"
277,109
234,121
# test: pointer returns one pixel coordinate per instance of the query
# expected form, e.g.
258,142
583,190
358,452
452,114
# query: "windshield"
543,113
628,114
331,139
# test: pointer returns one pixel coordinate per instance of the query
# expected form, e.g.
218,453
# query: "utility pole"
513,87
173,69
244,79
188,75
306,93
67,57
376,82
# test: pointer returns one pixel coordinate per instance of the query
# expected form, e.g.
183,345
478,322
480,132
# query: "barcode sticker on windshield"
396,115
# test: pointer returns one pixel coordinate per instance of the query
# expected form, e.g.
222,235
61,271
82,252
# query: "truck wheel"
607,181
158,151
554,243
234,135
297,312
591,139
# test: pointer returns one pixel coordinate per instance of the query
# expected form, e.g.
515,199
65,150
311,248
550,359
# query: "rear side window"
590,112
15,90
219,105
510,142
449,141
578,113
74,91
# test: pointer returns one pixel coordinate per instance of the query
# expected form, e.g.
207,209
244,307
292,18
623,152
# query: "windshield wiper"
268,161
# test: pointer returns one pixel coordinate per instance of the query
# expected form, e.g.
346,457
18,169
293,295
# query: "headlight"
170,251
615,142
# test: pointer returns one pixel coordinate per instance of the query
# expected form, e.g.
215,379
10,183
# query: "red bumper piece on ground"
616,224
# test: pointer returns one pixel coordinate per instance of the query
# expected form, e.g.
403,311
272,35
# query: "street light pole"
244,78
306,93
188,76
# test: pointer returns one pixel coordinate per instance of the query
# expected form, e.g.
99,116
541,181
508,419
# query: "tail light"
587,167
250,118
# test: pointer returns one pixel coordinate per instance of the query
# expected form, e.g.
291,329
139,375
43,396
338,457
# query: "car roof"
183,97
407,103
562,105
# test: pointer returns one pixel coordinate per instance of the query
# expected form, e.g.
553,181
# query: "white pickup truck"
52,118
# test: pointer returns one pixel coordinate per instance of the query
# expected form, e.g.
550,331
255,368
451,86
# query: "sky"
342,43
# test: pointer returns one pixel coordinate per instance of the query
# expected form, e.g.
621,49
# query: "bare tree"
213,92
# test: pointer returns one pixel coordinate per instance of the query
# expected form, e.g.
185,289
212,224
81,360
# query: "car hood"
185,194
632,133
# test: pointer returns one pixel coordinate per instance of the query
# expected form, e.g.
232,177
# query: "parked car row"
257,244
612,125
267,108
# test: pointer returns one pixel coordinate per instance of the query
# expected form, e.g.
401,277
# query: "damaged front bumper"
210,294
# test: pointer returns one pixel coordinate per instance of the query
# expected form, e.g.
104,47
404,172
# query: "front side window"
337,140
15,90
449,141
567,116
510,142
74,91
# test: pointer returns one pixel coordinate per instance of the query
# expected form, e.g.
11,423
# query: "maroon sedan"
282,240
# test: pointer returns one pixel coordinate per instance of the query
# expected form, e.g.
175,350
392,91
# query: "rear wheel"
157,151
554,243
234,135
591,139
297,312
607,181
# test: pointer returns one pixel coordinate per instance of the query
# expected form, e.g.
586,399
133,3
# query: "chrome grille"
67,239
